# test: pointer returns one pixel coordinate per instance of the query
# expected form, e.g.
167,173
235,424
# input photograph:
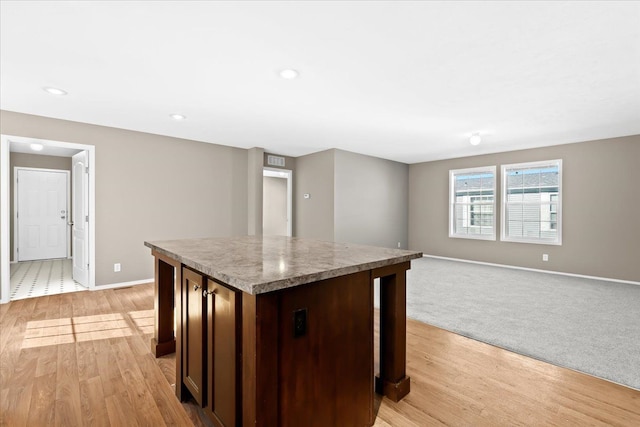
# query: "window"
472,203
532,202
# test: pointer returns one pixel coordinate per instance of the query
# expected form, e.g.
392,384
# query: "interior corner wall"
254,191
314,215
149,187
371,200
30,161
600,210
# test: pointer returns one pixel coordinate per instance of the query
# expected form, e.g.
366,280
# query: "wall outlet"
398,244
545,257
299,322
116,267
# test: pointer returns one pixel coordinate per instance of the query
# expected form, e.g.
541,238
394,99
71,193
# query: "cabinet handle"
196,287
206,293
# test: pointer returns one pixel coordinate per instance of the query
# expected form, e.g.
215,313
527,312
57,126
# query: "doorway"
277,202
79,222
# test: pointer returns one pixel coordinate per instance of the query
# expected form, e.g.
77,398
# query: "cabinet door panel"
194,344
224,369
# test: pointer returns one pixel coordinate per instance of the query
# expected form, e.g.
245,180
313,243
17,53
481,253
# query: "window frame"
452,220
558,212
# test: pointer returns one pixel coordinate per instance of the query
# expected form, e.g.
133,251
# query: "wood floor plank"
4,309
120,411
94,410
102,373
459,381
4,406
87,365
11,333
15,405
64,383
68,409
136,387
42,407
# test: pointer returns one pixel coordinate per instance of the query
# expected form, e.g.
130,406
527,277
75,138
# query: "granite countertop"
259,264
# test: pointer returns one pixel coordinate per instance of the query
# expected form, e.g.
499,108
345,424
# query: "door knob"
70,223
196,287
206,293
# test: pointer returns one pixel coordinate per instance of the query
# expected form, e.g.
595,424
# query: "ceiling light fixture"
177,116
289,74
475,139
55,91
36,147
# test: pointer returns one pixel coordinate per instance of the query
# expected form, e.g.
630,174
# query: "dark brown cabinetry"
278,332
211,347
224,374
195,334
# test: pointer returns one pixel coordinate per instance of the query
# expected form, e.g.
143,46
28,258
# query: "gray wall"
354,198
371,198
149,187
314,216
254,191
600,211
30,161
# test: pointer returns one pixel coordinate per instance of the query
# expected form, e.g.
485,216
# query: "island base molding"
393,390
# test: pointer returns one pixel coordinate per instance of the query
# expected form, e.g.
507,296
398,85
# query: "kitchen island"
278,331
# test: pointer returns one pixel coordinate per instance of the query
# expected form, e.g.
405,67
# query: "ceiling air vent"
275,161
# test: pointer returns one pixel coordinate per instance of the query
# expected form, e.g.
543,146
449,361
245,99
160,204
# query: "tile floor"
38,278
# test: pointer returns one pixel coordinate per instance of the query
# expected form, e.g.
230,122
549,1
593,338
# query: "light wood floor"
83,359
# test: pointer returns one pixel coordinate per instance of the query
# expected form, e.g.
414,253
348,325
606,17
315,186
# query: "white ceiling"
407,81
49,148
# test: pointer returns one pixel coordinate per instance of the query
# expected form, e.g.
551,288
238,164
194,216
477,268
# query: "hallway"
46,277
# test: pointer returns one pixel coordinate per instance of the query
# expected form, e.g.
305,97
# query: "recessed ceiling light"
475,139
289,74
36,147
177,116
55,91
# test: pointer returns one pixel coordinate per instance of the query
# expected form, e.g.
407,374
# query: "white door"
79,223
41,214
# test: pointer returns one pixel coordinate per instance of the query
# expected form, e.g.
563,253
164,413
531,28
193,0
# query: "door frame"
15,205
288,175
5,149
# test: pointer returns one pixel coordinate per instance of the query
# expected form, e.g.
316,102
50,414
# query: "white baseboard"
122,284
561,273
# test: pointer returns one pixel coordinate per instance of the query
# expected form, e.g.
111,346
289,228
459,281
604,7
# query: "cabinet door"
195,333
224,377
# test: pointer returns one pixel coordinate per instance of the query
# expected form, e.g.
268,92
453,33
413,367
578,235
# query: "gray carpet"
592,326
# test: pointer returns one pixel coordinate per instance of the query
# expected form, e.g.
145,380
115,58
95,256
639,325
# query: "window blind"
531,202
472,203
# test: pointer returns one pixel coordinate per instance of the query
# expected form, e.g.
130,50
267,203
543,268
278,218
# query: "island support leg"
393,381
163,341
